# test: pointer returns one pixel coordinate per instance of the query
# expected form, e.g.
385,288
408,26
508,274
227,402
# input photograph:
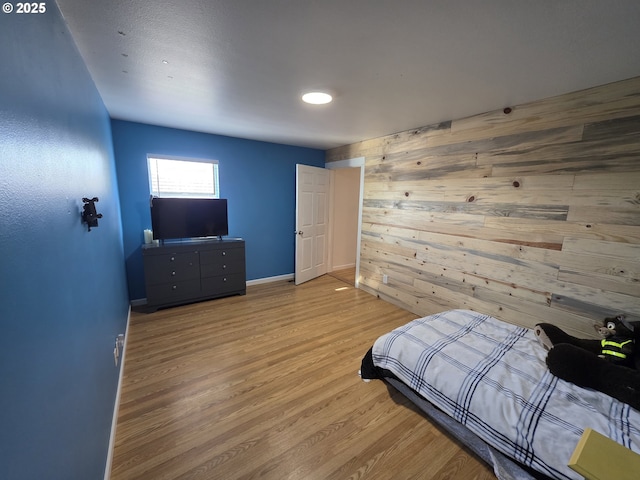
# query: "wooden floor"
347,275
266,386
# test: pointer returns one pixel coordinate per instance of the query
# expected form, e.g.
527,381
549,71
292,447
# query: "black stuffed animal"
610,365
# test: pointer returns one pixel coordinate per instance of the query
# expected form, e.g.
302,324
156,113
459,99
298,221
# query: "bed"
486,382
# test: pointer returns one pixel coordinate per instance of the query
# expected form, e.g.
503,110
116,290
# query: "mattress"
491,377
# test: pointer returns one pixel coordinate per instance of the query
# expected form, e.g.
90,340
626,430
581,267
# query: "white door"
312,222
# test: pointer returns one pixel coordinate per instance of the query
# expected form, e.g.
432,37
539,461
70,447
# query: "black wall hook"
89,214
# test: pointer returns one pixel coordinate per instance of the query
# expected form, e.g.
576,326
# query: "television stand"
190,271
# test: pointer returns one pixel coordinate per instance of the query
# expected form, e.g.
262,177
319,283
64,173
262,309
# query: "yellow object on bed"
597,457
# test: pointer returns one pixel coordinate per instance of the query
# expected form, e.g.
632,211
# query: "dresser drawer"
222,268
171,268
222,284
173,292
222,255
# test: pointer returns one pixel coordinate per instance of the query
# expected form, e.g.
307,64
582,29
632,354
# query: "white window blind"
172,177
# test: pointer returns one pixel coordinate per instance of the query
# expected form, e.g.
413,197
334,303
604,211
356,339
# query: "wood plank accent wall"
530,216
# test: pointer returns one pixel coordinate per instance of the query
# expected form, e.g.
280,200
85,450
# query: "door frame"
357,162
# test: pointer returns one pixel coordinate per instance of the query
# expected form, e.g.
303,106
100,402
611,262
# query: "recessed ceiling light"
317,98
165,62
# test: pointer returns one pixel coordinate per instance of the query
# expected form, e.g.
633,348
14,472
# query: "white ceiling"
239,67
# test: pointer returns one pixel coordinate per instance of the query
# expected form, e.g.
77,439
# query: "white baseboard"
257,281
342,267
116,407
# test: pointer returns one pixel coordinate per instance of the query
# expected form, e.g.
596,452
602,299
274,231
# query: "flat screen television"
174,218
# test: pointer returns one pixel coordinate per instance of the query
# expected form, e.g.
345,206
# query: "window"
182,177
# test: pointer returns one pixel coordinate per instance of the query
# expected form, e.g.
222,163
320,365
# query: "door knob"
299,232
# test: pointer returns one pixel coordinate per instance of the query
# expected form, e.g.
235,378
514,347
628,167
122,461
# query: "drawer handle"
224,253
224,266
174,287
173,259
224,279
173,274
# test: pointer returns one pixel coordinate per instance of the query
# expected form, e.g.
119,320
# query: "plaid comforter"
491,376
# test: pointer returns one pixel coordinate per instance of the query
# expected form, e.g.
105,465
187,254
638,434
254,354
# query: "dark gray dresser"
192,270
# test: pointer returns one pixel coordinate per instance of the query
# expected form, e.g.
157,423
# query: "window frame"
216,177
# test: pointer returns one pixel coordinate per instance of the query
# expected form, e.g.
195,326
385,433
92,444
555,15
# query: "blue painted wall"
63,296
257,178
